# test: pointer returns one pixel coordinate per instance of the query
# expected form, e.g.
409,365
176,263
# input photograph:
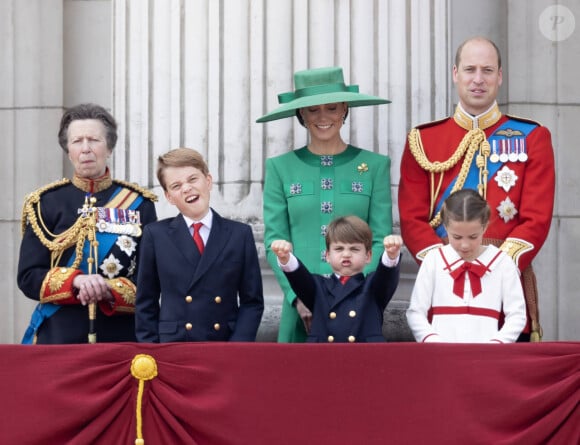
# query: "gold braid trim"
515,248
56,297
423,253
75,235
54,280
125,288
131,185
34,198
473,141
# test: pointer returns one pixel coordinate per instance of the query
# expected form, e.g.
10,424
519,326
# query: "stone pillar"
31,81
542,85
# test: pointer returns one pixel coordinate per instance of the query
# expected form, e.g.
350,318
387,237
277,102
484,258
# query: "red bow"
474,272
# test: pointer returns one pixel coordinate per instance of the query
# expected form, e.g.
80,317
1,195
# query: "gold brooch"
363,168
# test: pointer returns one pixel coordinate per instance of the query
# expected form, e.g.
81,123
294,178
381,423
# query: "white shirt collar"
206,220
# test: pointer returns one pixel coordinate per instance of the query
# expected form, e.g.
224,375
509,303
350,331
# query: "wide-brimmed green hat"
316,87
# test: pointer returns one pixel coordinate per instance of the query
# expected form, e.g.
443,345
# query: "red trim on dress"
460,310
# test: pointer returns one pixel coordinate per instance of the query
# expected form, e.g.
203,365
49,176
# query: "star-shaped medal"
507,210
506,178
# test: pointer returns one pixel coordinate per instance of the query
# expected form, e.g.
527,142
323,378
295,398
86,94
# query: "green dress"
303,192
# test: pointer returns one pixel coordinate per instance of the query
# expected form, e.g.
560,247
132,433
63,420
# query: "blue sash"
44,311
472,180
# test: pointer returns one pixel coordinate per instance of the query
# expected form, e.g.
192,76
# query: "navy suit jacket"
352,312
185,296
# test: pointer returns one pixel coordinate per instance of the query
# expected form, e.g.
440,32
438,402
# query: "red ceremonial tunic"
521,205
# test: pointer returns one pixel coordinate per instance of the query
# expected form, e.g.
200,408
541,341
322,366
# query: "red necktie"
474,272
344,279
197,236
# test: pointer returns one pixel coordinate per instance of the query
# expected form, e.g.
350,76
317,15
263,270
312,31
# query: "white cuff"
387,262
291,265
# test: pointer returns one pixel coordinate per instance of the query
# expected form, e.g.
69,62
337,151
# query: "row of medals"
119,221
511,150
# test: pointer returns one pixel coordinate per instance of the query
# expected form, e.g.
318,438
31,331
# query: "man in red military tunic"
509,160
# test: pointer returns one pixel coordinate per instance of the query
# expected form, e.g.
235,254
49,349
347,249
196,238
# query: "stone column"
31,82
542,85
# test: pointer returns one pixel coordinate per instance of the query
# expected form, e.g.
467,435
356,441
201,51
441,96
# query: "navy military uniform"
55,249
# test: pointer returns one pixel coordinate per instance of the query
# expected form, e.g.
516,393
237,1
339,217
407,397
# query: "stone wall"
198,73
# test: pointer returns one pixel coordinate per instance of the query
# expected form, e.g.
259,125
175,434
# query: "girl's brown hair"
465,205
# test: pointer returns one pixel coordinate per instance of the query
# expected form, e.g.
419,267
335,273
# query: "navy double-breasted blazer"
352,312
185,296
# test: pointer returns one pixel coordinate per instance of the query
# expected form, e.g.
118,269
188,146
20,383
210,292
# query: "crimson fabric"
267,393
344,279
197,237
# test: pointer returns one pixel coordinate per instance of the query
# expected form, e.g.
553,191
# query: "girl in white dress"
466,292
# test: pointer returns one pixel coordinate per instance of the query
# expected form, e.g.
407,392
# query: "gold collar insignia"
93,185
483,121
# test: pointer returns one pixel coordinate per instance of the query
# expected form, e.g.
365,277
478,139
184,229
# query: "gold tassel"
143,367
536,333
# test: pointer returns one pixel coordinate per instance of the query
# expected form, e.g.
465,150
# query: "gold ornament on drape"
143,368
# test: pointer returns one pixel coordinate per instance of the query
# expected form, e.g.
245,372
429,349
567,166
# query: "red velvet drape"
275,394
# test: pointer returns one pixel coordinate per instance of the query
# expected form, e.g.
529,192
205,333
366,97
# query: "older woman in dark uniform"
80,242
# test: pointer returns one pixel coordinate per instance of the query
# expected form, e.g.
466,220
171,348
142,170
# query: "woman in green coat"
308,187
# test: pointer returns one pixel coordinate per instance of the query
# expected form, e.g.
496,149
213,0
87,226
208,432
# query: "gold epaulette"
136,187
34,198
524,119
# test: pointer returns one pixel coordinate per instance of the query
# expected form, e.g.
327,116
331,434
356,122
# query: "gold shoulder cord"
473,141
74,235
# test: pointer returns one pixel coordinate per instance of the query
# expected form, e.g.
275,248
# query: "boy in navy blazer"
347,306
201,284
